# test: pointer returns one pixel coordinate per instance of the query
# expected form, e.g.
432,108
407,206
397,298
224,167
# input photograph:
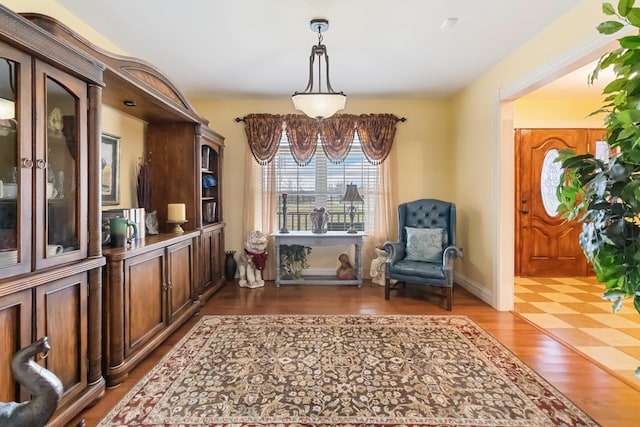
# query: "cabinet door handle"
27,163
41,163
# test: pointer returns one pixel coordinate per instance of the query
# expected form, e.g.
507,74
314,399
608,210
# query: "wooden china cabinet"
210,212
50,262
103,309
153,286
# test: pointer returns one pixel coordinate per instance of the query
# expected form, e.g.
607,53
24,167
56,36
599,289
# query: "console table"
331,238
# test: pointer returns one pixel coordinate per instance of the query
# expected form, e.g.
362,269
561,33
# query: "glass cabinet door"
59,164
15,174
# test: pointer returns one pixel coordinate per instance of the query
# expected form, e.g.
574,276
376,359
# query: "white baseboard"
474,287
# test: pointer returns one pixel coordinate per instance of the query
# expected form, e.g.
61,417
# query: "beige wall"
131,132
421,152
483,173
556,113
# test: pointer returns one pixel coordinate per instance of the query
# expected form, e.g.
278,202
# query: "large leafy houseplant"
293,259
605,195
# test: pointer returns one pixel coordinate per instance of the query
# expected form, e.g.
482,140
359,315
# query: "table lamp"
351,195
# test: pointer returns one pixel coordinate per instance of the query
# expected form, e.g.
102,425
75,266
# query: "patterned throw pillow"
425,244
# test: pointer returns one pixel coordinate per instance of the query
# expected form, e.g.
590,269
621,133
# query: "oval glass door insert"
549,180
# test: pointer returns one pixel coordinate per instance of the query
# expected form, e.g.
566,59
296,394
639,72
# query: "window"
322,183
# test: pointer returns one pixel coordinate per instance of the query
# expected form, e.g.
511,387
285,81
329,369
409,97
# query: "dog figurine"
252,260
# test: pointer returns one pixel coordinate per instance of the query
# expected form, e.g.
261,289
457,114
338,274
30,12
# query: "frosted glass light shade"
7,109
319,105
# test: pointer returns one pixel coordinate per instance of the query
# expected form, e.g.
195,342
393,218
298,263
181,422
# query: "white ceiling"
377,48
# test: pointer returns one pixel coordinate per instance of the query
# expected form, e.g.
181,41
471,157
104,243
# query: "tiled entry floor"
572,309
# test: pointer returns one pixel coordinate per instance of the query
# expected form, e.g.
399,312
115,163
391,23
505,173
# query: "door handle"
27,163
524,210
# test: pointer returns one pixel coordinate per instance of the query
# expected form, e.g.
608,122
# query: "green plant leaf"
628,116
624,7
617,305
626,133
631,190
607,9
615,86
613,294
630,42
575,161
609,27
634,17
618,173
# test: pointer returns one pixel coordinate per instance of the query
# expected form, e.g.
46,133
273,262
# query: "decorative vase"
230,265
319,220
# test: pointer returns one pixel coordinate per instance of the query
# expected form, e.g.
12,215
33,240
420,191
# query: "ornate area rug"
351,370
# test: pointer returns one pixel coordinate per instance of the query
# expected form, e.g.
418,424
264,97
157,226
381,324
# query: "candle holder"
284,229
177,225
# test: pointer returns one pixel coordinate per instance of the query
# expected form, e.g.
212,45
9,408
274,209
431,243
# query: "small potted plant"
293,259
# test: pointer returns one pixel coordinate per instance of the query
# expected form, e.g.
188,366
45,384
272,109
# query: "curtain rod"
398,119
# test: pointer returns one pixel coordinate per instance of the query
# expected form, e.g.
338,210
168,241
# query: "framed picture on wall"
110,169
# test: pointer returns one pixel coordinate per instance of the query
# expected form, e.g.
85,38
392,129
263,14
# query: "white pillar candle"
176,212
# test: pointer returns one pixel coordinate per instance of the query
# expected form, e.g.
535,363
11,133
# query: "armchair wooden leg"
387,288
449,297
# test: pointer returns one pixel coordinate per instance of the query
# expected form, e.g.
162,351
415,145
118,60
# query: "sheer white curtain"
384,217
261,209
260,206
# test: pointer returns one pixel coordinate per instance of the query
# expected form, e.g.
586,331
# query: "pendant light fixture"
319,105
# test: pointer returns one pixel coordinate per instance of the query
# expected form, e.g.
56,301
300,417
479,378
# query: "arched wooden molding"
128,79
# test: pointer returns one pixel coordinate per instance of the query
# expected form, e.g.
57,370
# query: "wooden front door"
546,244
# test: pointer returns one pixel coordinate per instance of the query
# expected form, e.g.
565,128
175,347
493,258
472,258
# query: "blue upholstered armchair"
426,248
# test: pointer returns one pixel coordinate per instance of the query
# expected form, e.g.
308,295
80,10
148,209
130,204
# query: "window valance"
336,133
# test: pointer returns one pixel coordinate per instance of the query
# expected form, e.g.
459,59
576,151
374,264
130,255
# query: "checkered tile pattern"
572,309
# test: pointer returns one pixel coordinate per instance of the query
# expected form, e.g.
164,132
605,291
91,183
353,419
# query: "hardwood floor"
608,400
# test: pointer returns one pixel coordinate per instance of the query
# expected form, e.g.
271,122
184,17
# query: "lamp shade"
8,109
351,195
318,105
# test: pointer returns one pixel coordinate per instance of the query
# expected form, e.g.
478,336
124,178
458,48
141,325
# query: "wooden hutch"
52,279
50,260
